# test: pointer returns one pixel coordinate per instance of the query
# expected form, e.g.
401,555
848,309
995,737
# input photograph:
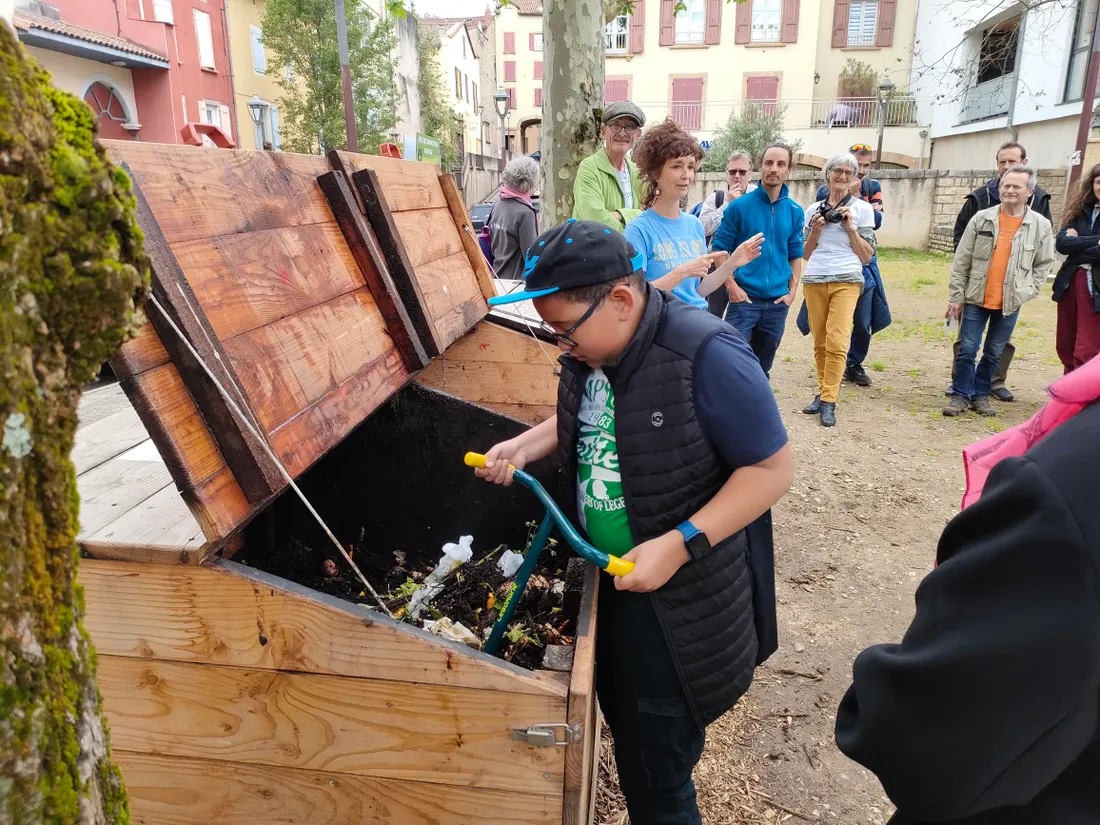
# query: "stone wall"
921,204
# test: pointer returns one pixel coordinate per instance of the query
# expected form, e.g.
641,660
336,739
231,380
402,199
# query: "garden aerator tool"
554,517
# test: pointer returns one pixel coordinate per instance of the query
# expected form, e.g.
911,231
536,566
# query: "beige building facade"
256,72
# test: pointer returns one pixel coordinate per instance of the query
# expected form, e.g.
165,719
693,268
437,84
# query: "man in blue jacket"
761,292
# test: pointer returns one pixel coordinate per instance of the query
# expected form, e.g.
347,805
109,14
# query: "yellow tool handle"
618,567
478,460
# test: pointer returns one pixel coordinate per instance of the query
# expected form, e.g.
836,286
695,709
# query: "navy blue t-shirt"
735,403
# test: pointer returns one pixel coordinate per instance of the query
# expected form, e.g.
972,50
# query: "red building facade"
152,69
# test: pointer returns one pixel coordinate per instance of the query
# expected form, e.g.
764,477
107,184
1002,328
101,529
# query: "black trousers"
657,743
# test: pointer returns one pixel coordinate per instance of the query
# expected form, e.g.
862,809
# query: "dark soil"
475,592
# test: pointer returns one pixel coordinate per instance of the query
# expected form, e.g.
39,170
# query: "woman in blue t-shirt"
672,241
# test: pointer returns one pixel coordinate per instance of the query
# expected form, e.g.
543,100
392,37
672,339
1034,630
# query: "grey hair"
521,174
843,159
737,154
1026,170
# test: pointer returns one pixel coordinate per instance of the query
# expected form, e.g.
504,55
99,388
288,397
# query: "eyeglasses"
623,128
860,148
564,337
842,173
738,172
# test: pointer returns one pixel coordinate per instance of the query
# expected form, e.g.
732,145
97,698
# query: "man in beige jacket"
1003,259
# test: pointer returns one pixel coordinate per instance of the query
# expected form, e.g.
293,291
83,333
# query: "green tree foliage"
437,118
758,126
302,34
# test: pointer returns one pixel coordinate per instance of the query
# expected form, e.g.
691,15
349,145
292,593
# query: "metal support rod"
1085,125
882,106
345,73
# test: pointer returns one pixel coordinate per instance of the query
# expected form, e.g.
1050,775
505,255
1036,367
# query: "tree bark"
572,94
71,275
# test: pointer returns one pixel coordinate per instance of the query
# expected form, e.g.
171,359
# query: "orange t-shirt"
998,263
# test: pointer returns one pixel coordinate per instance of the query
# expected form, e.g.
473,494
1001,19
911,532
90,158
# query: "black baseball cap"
574,254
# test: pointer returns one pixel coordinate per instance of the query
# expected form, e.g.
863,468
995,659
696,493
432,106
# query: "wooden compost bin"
316,289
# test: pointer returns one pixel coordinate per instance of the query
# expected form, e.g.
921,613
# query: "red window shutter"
538,70
509,71
668,23
511,97
509,42
531,41
714,22
788,30
687,102
742,32
887,11
840,23
614,91
637,27
538,97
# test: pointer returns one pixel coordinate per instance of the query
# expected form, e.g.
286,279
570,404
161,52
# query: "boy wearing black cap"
675,452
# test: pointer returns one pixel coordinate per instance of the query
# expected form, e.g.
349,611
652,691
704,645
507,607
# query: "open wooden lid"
308,310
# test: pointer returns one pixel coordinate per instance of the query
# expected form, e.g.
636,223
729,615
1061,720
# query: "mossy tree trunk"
71,275
572,99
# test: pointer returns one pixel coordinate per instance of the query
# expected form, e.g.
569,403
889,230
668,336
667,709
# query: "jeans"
861,329
831,307
970,382
761,323
657,743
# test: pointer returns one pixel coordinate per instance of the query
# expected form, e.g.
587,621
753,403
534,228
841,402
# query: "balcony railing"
988,99
689,116
831,113
615,42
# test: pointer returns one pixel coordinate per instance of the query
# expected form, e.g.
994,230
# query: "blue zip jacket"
768,277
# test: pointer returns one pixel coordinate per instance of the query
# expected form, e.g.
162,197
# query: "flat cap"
623,108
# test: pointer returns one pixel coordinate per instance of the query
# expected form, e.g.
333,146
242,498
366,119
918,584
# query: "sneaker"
813,407
956,406
858,376
828,413
980,404
1002,393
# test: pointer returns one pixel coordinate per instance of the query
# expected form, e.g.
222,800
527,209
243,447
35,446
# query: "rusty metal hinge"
545,734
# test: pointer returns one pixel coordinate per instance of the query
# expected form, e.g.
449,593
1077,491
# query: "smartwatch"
696,541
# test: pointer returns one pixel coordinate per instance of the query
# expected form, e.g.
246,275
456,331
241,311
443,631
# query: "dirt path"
854,537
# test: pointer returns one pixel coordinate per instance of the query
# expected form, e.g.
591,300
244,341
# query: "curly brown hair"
1081,199
664,142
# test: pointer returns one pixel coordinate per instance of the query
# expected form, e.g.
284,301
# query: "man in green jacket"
608,188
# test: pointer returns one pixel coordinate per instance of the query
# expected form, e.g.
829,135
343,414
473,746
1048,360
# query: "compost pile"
473,594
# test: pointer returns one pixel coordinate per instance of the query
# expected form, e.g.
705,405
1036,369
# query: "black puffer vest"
669,471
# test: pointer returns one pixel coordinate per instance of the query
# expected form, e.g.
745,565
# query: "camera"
832,214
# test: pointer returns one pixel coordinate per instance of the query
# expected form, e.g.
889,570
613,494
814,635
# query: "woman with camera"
840,239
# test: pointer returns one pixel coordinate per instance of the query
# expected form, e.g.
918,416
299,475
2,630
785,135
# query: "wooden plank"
111,436
398,317
495,382
165,790
231,615
362,727
407,184
287,366
114,488
309,435
242,451
378,212
452,296
141,353
465,232
99,403
220,505
203,193
250,280
428,234
578,787
489,341
160,529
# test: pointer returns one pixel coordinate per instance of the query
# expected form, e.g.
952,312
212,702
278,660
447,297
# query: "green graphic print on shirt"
599,485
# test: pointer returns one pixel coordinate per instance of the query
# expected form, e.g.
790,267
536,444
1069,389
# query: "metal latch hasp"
545,734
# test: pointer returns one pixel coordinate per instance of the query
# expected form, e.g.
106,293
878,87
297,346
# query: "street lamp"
256,112
886,91
500,100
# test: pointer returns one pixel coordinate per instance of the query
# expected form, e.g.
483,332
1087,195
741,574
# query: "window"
863,23
538,70
162,11
509,71
997,53
616,35
463,48
206,42
767,17
686,107
267,130
210,111
764,92
289,73
475,92
1080,47
538,97
691,23
259,59
615,89
458,83
536,41
509,42
276,133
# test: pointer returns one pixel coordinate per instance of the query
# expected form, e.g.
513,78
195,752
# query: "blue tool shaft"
583,548
542,536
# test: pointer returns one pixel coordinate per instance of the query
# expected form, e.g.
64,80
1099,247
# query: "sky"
450,8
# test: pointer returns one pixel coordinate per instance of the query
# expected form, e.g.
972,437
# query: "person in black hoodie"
987,711
1077,285
1010,154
